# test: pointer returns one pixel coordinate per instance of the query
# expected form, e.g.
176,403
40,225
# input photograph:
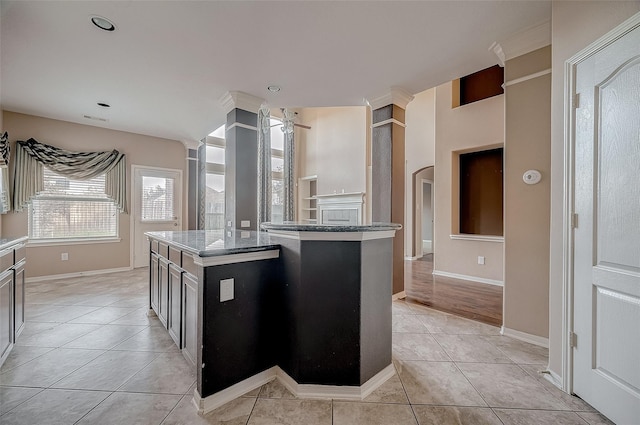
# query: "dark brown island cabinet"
12,295
309,305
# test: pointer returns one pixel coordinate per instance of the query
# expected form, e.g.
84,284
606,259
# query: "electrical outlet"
480,260
245,235
245,223
226,290
64,256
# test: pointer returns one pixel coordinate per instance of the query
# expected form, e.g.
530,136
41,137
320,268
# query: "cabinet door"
189,316
6,313
163,290
154,282
18,293
174,318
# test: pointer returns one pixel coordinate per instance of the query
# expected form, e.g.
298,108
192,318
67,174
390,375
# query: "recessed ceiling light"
104,105
102,23
274,89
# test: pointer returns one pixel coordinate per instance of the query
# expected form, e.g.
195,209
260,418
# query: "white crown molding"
395,96
240,100
191,144
523,42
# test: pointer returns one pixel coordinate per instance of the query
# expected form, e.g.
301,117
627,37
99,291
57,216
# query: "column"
195,184
388,170
241,161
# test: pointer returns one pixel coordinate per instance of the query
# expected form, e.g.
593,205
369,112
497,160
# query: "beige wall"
526,213
469,127
419,153
574,26
139,150
335,148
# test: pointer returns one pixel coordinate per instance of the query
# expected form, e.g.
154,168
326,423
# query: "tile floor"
89,354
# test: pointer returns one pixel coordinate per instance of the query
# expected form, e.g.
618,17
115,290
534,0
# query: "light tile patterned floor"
91,355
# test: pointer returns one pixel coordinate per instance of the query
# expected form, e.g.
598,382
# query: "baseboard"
469,278
554,378
77,274
303,391
399,296
212,402
523,336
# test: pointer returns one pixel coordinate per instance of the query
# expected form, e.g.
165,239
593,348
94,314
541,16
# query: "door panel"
19,286
163,290
154,283
157,206
606,369
6,313
175,304
190,316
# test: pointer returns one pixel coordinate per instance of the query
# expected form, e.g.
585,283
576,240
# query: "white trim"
192,144
36,243
235,258
525,41
389,121
528,77
399,296
331,195
333,236
479,238
240,100
553,377
76,274
304,391
212,402
241,125
526,337
395,96
568,194
469,278
408,258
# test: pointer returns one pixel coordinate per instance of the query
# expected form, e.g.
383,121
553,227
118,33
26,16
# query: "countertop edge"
8,242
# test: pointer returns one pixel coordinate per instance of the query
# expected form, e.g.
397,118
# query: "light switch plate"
226,290
480,260
245,235
229,224
245,223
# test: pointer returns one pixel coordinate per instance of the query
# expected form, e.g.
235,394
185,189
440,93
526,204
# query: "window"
277,171
214,205
157,199
481,197
72,209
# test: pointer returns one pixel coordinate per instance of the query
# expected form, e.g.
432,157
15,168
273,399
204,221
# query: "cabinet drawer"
6,259
188,264
154,246
163,250
175,256
21,253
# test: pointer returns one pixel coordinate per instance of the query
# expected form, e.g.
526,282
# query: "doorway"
427,217
157,206
604,230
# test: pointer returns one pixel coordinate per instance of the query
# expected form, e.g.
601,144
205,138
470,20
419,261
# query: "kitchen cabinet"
12,292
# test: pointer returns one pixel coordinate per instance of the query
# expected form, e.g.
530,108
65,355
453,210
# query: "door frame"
569,193
133,212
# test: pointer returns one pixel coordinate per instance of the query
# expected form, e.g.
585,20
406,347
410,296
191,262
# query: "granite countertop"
306,227
7,242
210,243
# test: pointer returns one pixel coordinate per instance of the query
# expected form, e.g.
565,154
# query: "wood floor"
477,301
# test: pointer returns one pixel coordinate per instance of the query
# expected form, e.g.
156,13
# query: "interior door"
606,358
157,206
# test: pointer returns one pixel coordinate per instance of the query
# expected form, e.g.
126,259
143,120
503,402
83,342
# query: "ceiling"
168,63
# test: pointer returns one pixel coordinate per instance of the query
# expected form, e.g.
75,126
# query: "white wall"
334,148
427,213
419,152
575,25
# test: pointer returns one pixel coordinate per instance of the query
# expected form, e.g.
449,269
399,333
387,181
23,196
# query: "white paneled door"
606,356
157,206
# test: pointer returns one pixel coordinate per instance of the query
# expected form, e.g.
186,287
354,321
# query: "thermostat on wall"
531,176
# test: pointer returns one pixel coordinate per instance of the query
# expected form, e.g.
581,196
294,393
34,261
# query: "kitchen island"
12,292
310,305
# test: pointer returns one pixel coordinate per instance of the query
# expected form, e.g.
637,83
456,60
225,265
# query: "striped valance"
32,155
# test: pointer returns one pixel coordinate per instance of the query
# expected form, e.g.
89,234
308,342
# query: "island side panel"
329,320
288,303
238,335
377,280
